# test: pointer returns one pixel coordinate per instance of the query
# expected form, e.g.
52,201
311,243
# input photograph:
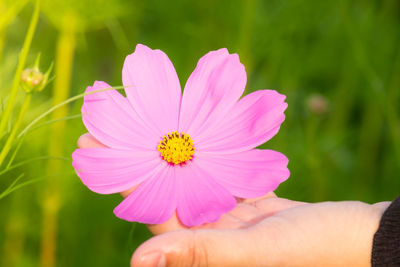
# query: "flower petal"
109,117
107,170
211,90
154,201
255,119
200,198
247,174
152,86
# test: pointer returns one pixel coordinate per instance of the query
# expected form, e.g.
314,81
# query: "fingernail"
153,259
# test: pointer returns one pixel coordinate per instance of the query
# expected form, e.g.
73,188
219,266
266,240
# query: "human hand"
290,234
268,231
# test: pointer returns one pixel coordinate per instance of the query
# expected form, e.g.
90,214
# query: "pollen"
176,148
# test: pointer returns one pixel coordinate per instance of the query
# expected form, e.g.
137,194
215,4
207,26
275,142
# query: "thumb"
206,247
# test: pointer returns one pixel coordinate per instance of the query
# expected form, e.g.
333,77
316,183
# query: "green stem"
22,163
52,200
69,100
66,118
11,12
2,36
245,32
14,154
10,187
21,64
14,186
13,133
314,157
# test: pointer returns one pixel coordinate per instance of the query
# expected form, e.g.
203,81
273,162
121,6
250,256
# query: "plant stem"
52,194
245,32
2,36
11,12
9,142
14,154
6,17
2,32
59,105
22,163
20,66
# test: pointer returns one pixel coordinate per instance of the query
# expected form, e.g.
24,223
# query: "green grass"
346,51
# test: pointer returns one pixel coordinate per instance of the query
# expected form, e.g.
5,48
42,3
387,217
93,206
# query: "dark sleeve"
386,244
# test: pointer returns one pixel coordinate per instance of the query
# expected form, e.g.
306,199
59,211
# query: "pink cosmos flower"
191,154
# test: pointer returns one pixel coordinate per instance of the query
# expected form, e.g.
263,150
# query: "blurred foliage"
346,52
90,14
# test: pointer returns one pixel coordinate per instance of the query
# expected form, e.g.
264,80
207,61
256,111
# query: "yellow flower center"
176,148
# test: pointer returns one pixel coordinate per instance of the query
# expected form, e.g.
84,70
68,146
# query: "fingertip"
160,249
274,205
88,141
82,140
172,224
150,259
126,193
205,247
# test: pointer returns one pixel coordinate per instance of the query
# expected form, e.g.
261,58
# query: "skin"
267,231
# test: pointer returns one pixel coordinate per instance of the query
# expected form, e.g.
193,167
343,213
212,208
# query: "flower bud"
317,104
33,80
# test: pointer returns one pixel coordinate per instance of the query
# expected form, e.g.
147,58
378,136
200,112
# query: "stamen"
176,148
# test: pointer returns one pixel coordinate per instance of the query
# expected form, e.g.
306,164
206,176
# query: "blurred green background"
338,62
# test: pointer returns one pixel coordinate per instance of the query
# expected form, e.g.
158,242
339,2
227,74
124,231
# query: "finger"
271,206
207,247
250,213
243,215
88,141
126,193
171,225
226,221
252,200
246,212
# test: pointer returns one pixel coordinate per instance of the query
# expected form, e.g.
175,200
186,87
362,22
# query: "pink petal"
109,117
107,171
152,86
211,90
154,201
200,198
247,174
251,122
